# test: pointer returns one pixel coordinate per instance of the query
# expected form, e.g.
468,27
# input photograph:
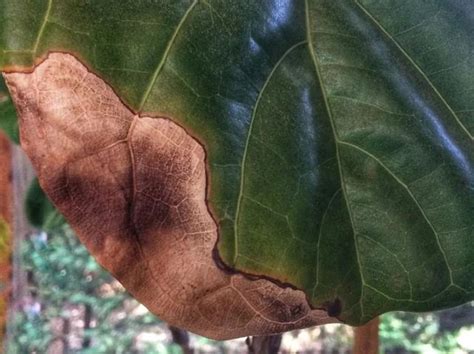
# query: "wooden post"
366,338
6,211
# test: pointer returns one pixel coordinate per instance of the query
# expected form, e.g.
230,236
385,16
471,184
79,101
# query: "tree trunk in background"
86,343
6,203
65,337
21,174
264,344
181,338
366,338
22,177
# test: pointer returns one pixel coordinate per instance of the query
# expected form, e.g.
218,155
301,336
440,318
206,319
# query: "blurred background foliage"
74,306
8,121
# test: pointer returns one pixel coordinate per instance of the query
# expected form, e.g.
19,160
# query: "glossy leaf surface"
338,134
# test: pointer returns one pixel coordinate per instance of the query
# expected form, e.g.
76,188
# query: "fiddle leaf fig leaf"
252,167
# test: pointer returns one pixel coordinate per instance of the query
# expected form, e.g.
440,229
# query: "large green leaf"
338,134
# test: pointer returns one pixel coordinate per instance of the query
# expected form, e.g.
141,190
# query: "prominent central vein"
162,62
336,139
249,133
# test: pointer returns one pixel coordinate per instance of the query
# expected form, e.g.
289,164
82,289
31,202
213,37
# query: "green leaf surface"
8,122
339,134
40,212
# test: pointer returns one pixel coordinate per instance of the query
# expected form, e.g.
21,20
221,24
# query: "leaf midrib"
336,139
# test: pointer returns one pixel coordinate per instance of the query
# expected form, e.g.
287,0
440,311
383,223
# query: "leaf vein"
415,65
247,142
341,173
162,62
412,196
43,26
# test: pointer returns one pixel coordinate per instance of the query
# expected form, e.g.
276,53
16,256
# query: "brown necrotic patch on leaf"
134,190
